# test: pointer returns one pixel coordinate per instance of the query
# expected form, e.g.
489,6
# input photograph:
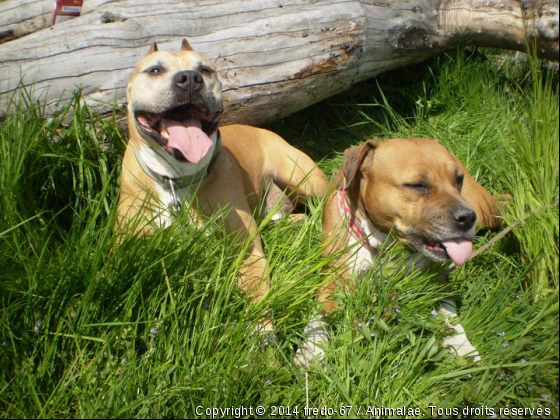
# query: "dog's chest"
172,199
362,258
365,250
171,203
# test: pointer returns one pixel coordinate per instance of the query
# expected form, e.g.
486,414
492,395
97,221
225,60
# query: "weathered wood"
18,19
274,56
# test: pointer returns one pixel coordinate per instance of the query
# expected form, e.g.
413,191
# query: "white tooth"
164,133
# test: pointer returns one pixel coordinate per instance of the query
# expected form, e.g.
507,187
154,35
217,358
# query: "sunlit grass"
156,327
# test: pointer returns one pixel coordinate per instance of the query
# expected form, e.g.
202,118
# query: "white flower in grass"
38,325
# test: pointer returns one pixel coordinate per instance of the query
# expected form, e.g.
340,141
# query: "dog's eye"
206,70
420,187
460,180
155,70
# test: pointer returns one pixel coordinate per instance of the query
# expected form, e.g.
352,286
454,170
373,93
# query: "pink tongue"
188,138
458,249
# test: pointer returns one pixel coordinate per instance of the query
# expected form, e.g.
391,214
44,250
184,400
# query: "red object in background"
66,9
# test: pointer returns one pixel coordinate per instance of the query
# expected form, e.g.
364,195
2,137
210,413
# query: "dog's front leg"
253,275
253,278
458,342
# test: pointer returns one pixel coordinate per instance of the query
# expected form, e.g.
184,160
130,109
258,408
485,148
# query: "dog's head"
175,102
412,189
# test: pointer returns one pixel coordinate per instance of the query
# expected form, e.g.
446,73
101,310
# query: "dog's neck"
162,168
359,226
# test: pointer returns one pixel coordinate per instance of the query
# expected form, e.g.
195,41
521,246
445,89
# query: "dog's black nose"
188,80
464,217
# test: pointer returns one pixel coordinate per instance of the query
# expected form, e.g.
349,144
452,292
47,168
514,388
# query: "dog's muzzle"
183,132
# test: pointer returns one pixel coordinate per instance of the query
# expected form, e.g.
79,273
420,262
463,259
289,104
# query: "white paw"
308,354
460,344
312,349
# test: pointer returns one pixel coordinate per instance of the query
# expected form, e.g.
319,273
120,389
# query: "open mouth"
183,132
457,249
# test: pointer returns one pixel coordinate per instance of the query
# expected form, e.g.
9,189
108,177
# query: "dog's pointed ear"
353,159
185,46
153,48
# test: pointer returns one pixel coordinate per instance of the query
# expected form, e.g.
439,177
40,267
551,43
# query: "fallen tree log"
274,57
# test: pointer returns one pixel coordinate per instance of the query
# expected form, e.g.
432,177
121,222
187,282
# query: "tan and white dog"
176,150
411,189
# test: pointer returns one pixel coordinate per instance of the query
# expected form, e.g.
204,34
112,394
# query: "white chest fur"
165,216
160,166
364,251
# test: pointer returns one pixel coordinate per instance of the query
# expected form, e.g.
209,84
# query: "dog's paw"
460,344
308,354
312,350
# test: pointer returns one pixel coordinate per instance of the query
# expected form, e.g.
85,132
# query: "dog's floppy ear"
353,159
185,46
153,48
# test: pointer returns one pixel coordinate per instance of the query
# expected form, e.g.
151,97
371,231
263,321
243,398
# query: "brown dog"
176,150
411,189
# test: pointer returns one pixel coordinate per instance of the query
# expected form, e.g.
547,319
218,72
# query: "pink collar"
353,223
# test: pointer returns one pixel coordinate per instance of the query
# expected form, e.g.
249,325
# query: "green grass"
157,327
